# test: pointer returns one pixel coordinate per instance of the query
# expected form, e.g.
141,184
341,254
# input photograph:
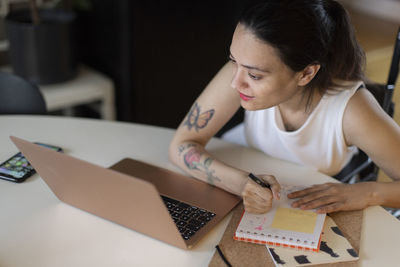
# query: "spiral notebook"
283,225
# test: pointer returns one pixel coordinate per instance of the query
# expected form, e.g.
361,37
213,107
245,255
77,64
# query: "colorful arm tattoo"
196,119
183,147
192,160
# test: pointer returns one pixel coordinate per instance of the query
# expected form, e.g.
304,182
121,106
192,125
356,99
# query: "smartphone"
17,168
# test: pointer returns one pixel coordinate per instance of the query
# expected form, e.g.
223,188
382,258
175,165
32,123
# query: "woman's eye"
254,77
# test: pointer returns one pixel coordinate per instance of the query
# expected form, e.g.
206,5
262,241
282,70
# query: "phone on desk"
17,168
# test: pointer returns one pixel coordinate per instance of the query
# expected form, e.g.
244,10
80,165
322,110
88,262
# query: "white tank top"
319,143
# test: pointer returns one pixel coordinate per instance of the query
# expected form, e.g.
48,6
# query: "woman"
297,70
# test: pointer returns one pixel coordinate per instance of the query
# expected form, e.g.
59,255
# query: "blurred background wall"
161,54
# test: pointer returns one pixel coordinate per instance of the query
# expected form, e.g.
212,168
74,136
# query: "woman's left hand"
332,197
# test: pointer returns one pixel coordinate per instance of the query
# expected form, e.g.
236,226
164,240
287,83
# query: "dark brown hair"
308,32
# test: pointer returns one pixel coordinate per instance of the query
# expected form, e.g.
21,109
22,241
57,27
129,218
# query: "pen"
259,181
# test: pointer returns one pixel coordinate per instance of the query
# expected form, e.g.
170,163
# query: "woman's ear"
308,73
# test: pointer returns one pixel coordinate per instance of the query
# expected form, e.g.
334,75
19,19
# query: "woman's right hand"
257,199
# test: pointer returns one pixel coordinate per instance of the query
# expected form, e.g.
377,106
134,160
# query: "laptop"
157,202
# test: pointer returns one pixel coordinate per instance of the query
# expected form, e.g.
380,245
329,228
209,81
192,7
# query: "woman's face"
259,75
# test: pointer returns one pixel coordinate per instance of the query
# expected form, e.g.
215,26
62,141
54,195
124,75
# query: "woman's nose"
238,81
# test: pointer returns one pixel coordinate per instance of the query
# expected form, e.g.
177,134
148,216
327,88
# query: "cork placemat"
247,254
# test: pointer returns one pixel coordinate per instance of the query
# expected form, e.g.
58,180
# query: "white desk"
36,229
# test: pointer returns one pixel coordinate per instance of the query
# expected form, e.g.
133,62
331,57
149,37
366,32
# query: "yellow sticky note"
294,220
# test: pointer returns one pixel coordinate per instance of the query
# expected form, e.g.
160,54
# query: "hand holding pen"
259,193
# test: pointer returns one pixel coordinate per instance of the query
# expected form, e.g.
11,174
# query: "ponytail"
345,59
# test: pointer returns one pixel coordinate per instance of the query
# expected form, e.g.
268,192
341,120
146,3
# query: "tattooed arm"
213,108
196,161
208,114
200,164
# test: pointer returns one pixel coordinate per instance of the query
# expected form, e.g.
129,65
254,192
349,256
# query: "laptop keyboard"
189,219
